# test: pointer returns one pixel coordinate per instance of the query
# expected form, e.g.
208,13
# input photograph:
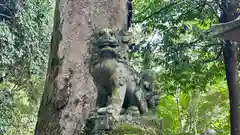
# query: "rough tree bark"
69,91
229,13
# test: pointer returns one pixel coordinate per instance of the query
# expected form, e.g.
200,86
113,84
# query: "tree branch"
157,12
191,10
193,42
217,57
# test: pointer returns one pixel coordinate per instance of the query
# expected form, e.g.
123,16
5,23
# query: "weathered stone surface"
126,124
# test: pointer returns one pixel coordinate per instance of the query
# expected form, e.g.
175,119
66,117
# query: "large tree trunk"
69,89
230,61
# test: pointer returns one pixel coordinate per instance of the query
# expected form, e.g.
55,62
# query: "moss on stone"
131,129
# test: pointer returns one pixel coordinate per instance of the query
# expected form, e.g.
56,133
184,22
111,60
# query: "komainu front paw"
105,110
109,110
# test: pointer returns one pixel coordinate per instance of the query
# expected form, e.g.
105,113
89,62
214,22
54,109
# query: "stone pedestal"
103,122
99,124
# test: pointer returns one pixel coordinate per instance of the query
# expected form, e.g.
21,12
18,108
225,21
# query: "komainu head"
105,37
109,42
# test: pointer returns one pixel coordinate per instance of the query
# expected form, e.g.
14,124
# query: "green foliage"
6,100
19,110
178,43
129,129
24,38
193,113
172,38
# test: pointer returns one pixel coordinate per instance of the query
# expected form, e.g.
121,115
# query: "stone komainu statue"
123,94
110,69
147,87
112,74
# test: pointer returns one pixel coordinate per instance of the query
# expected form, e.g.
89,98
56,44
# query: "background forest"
170,36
